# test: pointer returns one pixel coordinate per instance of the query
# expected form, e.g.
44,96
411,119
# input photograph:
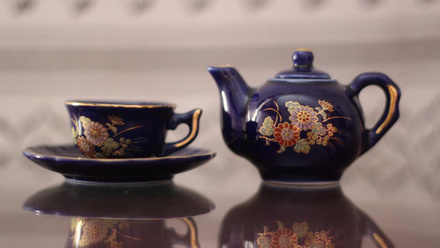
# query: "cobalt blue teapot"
301,125
300,216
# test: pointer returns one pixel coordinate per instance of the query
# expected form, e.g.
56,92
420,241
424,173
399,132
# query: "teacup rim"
120,104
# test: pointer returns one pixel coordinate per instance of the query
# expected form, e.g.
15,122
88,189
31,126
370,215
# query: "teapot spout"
234,94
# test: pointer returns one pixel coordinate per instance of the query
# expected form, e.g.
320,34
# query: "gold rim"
115,160
303,49
194,127
221,66
120,105
394,96
379,240
192,231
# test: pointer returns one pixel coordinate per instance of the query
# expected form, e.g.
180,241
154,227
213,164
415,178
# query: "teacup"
109,232
128,129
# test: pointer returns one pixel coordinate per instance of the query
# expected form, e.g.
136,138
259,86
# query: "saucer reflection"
298,217
124,215
129,201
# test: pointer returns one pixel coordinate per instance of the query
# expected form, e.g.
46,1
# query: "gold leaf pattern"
95,140
298,237
305,128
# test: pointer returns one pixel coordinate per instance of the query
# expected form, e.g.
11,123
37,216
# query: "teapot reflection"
292,216
119,216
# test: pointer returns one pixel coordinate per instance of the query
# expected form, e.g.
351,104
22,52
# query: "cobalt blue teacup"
128,129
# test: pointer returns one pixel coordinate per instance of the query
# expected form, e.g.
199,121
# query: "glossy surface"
67,160
163,200
241,207
301,126
128,129
130,215
294,215
110,233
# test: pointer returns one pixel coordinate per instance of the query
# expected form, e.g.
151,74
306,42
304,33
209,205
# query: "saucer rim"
28,152
115,170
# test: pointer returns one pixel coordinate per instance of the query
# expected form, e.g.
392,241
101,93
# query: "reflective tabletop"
237,211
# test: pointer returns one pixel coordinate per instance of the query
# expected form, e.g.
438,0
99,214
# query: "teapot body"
302,125
298,216
302,131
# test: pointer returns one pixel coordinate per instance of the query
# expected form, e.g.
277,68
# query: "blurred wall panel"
51,51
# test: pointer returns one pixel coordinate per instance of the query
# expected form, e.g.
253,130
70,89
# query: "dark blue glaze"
312,216
68,161
134,215
134,129
122,201
321,121
303,67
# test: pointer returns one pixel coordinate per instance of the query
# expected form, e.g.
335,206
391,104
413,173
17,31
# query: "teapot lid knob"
302,59
302,67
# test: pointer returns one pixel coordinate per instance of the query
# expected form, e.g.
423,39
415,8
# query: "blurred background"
52,51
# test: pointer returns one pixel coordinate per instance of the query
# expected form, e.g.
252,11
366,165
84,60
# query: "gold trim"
303,49
113,160
192,230
379,240
221,66
120,105
393,103
195,127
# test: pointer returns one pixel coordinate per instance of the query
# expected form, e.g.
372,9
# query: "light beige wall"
50,53
171,24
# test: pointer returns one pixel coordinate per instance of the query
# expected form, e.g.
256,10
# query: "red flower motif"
86,147
286,134
284,238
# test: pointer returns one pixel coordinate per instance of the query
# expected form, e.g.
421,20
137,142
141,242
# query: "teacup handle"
190,118
189,239
391,113
377,235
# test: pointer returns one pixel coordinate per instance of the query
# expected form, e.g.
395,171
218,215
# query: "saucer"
160,200
68,160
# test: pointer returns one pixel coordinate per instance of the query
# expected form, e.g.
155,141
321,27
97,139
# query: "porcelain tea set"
123,142
301,126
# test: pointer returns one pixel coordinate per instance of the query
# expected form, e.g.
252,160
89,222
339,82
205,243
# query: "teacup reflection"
120,233
125,215
298,217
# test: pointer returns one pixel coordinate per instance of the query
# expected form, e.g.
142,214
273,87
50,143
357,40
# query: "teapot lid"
302,67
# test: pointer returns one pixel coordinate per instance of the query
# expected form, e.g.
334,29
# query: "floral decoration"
299,236
303,117
286,134
99,140
88,232
306,127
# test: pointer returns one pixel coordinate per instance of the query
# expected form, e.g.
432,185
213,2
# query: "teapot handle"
391,113
376,234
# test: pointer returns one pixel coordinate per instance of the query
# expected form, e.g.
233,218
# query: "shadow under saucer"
123,215
128,201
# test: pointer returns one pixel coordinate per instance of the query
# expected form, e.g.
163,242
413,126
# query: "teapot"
301,125
280,215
